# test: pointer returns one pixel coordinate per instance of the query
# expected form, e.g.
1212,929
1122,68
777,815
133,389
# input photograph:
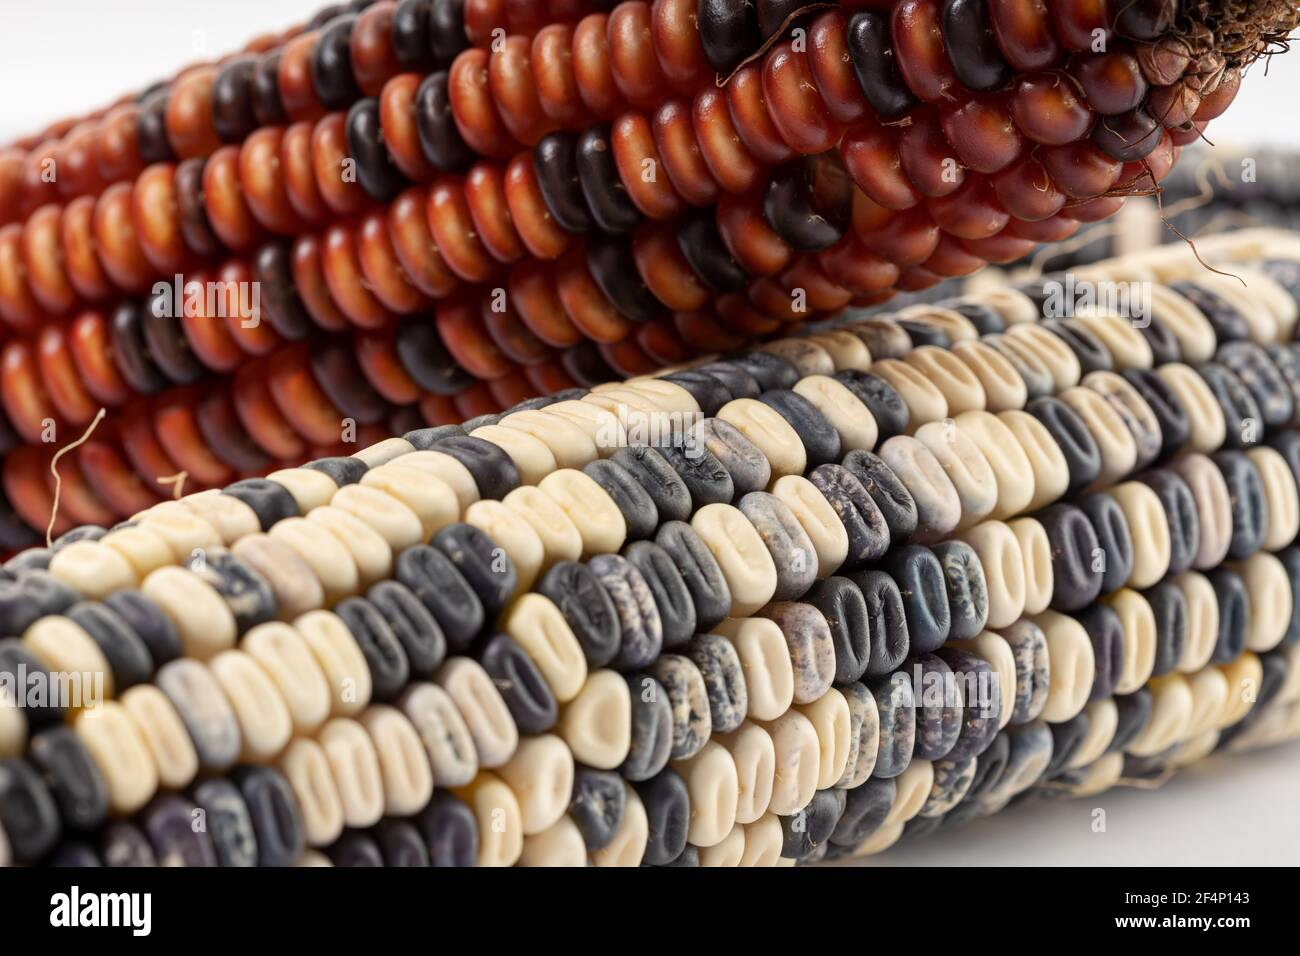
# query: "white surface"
61,58
67,57
1227,810
1261,114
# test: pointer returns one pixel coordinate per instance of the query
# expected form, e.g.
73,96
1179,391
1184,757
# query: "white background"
65,57
1227,810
